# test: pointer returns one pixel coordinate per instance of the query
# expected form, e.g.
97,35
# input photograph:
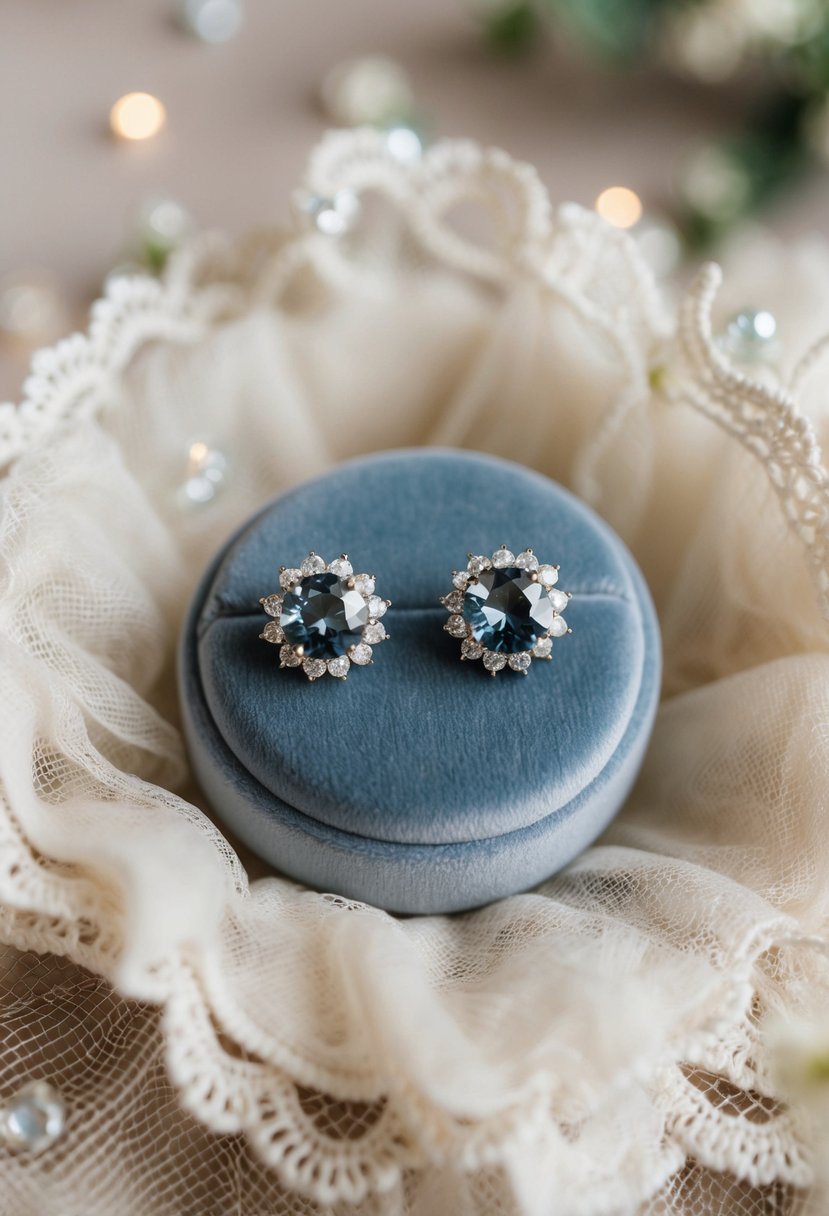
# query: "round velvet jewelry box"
420,784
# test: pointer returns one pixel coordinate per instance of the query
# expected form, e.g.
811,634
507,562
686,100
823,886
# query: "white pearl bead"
212,21
34,1118
404,143
366,92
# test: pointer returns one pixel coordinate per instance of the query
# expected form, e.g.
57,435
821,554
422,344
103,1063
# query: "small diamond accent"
272,632
526,561
364,583
287,656
548,575
558,627
342,567
376,607
339,667
272,604
493,661
360,654
543,648
314,668
454,602
470,649
502,558
313,564
520,662
559,600
457,626
477,564
289,578
374,634
460,580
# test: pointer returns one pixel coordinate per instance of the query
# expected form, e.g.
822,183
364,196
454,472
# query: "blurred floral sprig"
712,41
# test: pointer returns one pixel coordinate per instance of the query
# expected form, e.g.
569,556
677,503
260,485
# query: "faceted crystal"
376,607
526,561
339,667
361,654
476,564
364,583
508,610
324,616
314,668
289,578
502,558
272,632
457,626
272,604
374,634
454,602
520,662
559,600
470,649
558,627
548,575
342,567
494,662
287,656
313,564
460,580
543,648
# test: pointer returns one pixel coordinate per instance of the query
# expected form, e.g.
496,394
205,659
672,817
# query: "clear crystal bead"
33,1118
288,657
339,667
272,604
493,661
360,654
376,607
272,632
333,216
313,564
520,662
289,578
314,668
454,602
460,580
342,567
364,583
548,575
457,627
751,336
558,627
502,558
374,634
477,564
559,600
471,649
526,561
543,648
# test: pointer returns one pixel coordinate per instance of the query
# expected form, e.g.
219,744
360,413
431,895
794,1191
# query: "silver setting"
372,633
539,572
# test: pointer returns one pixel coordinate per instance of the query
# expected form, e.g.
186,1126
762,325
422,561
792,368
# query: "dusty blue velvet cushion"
421,784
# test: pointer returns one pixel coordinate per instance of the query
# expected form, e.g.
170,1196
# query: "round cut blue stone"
507,610
324,616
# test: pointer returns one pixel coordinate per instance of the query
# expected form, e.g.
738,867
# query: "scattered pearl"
333,216
137,116
212,21
751,336
33,1118
366,92
404,143
205,474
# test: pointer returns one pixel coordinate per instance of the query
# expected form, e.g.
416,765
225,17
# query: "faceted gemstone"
324,616
288,658
272,632
361,654
508,610
454,602
543,648
502,558
559,600
34,1117
374,634
339,667
289,578
272,604
364,583
376,607
494,662
314,668
470,649
342,567
520,661
526,561
548,575
457,626
460,580
476,564
313,564
558,627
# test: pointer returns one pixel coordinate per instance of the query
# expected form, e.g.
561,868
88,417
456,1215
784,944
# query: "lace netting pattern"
227,1041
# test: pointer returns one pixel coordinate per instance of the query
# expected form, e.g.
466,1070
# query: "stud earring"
505,610
325,617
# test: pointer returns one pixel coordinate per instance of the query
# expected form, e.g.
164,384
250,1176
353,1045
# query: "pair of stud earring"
505,610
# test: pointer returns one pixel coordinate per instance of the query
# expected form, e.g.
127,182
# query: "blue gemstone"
507,610
324,616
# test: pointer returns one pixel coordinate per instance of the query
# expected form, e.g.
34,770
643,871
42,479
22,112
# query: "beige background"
242,116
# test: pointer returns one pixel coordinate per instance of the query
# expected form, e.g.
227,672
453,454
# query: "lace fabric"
599,1045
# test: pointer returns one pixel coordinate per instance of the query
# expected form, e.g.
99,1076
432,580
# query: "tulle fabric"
224,1037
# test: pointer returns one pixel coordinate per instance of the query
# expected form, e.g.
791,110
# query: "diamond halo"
505,609
324,618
